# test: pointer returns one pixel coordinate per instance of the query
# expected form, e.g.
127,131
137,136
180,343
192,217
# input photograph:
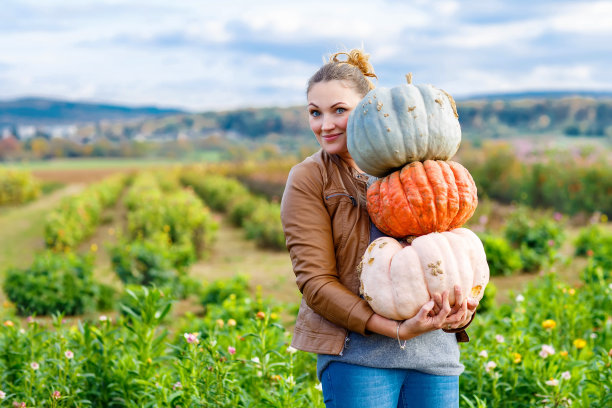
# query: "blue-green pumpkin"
391,127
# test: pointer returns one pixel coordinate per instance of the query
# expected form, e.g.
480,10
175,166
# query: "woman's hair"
354,69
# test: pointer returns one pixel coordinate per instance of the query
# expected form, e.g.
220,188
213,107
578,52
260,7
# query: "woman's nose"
327,124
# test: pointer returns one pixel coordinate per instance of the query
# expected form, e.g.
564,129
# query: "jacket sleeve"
308,233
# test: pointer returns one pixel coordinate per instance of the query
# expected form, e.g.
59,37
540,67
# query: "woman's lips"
331,138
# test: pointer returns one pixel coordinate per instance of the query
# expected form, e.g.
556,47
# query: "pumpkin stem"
409,78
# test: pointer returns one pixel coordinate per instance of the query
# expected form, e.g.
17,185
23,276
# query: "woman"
364,359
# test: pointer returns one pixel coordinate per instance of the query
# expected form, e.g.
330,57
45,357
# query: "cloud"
202,54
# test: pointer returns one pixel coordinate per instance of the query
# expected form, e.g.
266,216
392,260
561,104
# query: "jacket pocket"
338,197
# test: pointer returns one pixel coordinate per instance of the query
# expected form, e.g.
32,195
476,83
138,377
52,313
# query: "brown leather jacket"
327,230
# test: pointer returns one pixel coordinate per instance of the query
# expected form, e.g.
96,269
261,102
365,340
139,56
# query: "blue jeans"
348,385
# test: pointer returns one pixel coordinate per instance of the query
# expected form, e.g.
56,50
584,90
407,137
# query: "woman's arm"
308,231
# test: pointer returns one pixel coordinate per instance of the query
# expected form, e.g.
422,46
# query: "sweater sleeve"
308,233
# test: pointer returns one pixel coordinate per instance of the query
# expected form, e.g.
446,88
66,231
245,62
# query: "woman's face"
329,105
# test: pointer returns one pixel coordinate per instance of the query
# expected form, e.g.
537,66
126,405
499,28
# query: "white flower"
499,338
34,365
552,382
2,395
291,350
255,360
483,354
490,366
69,354
593,335
547,351
520,298
103,318
319,387
290,380
566,375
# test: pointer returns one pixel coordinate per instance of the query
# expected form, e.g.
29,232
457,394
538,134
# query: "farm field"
225,297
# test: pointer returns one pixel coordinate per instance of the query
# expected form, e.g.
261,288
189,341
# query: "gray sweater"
435,352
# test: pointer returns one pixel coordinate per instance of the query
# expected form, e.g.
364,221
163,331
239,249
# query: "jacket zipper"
343,194
346,340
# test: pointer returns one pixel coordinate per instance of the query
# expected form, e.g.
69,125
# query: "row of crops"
551,346
17,187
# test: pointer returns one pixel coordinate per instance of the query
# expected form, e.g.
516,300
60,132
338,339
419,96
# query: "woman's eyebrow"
313,105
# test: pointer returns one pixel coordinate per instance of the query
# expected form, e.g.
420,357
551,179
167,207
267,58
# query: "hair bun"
357,58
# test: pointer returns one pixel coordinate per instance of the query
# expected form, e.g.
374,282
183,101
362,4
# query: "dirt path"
233,254
22,228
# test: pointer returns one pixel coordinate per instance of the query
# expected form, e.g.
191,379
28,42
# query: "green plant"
54,283
501,257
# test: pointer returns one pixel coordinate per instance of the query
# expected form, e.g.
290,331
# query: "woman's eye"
314,113
340,110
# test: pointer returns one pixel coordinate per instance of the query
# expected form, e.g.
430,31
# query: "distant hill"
41,111
539,95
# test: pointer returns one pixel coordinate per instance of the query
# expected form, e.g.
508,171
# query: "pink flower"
2,395
19,404
551,243
499,338
177,385
566,375
34,365
231,350
56,395
547,351
69,354
557,216
490,366
483,354
191,338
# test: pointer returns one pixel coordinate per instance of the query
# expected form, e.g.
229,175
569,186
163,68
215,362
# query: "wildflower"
571,291
490,366
319,387
566,375
483,354
191,338
34,365
519,298
56,395
273,316
563,353
551,243
276,377
589,252
547,351
579,343
69,354
19,404
30,320
552,382
8,323
220,323
549,324
291,350
593,335
177,385
290,380
103,318
231,323
517,358
260,315
94,248
2,395
483,219
499,338
231,350
557,216
255,360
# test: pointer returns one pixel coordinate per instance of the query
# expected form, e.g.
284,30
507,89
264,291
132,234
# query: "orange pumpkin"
421,198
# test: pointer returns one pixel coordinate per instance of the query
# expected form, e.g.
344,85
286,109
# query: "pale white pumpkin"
398,279
394,126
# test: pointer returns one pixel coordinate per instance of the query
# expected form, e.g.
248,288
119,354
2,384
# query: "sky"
203,55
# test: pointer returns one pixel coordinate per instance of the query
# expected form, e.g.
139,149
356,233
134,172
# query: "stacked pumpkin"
406,136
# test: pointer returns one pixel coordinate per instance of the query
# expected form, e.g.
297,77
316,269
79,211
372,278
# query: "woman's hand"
437,314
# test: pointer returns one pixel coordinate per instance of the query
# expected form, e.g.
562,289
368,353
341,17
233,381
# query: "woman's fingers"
458,300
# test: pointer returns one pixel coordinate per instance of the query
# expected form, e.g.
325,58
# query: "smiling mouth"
332,136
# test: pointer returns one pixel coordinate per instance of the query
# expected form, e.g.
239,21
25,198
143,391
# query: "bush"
501,257
17,186
537,240
54,283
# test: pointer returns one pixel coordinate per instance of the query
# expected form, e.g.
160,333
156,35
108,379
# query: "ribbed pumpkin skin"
421,198
397,280
394,126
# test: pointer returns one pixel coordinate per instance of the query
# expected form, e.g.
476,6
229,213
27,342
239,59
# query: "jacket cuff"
359,317
461,329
